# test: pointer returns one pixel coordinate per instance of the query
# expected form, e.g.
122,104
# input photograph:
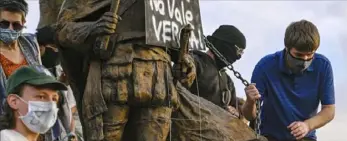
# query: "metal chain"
238,76
257,120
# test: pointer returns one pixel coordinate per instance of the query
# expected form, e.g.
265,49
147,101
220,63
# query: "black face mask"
50,58
229,52
297,65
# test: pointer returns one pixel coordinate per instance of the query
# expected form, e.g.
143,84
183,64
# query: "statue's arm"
74,34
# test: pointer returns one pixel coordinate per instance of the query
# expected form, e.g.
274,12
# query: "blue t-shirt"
289,97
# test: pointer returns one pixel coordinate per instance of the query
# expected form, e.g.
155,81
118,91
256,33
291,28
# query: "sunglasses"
6,24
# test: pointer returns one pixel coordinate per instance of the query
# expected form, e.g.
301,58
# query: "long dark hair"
7,118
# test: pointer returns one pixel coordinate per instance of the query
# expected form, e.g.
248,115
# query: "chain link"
238,76
257,120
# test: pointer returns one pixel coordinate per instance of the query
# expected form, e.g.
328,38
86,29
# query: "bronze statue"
130,93
49,10
133,87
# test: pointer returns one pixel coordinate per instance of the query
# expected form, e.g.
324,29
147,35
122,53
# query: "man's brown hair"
302,35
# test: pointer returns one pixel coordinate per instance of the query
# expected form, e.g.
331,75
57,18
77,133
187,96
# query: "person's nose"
307,57
10,26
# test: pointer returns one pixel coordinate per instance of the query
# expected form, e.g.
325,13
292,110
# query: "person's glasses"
6,24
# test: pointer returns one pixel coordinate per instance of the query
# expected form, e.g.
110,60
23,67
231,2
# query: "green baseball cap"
33,75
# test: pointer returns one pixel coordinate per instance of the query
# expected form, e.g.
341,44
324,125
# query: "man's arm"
253,92
327,97
72,34
249,110
326,114
300,129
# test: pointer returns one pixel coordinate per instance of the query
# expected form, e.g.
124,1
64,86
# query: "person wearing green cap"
30,108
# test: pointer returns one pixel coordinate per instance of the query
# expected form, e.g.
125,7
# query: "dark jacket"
211,82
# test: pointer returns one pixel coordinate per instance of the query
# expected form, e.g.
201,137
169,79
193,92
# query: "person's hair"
7,119
15,6
45,35
302,35
14,11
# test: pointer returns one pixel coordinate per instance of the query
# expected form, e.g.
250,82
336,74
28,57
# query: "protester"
50,59
16,49
31,104
212,82
291,83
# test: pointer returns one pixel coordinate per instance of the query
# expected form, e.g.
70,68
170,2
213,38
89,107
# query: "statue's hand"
185,72
106,25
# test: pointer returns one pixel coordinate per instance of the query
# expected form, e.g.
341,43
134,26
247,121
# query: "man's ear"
12,100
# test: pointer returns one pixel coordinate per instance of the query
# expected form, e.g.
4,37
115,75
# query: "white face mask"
41,116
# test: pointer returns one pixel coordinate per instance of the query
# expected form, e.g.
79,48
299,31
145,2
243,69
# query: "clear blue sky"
264,23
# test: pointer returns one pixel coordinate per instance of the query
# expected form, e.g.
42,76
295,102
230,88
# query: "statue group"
117,56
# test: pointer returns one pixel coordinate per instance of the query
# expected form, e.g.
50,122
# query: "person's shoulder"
7,135
269,60
6,131
322,63
200,56
29,36
3,132
29,43
320,58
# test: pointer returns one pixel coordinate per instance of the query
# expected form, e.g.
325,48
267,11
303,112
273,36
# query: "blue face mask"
8,36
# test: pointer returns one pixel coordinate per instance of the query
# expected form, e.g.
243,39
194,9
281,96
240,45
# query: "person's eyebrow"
47,94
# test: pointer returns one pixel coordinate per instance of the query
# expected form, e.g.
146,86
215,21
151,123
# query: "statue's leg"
115,120
142,77
152,124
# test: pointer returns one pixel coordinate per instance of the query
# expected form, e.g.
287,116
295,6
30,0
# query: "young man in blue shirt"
291,83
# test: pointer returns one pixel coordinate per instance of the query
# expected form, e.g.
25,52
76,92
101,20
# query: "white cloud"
33,16
334,131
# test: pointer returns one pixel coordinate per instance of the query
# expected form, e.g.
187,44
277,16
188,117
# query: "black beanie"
229,34
21,5
224,40
45,35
